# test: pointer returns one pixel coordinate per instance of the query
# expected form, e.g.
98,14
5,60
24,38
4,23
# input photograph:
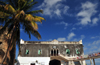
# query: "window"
27,51
77,51
39,52
67,51
0,42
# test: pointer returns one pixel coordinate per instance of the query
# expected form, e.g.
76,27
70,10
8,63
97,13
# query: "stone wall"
46,48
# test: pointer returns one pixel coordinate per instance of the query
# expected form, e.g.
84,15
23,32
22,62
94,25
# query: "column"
81,62
71,63
90,61
93,61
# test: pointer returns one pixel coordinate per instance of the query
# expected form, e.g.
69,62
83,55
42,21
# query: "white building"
50,53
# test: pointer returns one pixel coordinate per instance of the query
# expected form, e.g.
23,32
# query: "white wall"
29,60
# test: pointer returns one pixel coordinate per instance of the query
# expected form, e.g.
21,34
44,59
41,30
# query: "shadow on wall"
54,62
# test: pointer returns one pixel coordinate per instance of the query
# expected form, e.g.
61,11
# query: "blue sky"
69,20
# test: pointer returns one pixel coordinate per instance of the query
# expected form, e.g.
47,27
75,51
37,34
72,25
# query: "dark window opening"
54,52
0,42
51,52
57,52
32,63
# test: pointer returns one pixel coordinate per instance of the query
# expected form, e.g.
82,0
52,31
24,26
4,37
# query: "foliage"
15,13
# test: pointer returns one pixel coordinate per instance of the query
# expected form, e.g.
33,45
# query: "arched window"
77,51
57,52
27,51
67,51
51,52
54,52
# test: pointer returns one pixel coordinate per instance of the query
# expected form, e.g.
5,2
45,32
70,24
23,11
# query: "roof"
50,42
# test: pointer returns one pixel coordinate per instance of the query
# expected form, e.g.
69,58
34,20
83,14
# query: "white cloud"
57,12
95,20
63,23
94,47
54,8
70,36
66,9
94,43
95,37
73,28
88,10
82,36
61,39
99,16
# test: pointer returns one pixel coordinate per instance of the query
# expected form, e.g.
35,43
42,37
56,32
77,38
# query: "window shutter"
39,51
67,51
77,51
27,51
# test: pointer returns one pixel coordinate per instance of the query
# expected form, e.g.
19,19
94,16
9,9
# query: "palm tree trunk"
5,55
12,51
12,55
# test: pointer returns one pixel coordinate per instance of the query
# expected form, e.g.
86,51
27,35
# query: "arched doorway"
54,62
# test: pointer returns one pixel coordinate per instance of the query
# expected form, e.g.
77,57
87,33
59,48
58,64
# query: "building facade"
50,52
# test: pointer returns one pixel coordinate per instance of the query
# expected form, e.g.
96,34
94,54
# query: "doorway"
54,62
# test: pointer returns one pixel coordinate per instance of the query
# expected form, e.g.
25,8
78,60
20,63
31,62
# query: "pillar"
90,61
71,63
93,61
81,62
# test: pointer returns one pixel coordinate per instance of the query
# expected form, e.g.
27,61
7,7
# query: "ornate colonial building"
50,53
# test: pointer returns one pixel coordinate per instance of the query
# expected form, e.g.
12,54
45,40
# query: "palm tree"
15,13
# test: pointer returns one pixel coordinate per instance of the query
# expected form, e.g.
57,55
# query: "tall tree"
14,13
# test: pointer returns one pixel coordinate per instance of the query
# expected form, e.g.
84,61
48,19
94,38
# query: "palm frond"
3,15
30,30
27,7
11,3
38,19
21,4
36,34
30,20
7,9
27,31
35,12
16,4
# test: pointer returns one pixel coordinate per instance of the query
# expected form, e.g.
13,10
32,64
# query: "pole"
93,61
